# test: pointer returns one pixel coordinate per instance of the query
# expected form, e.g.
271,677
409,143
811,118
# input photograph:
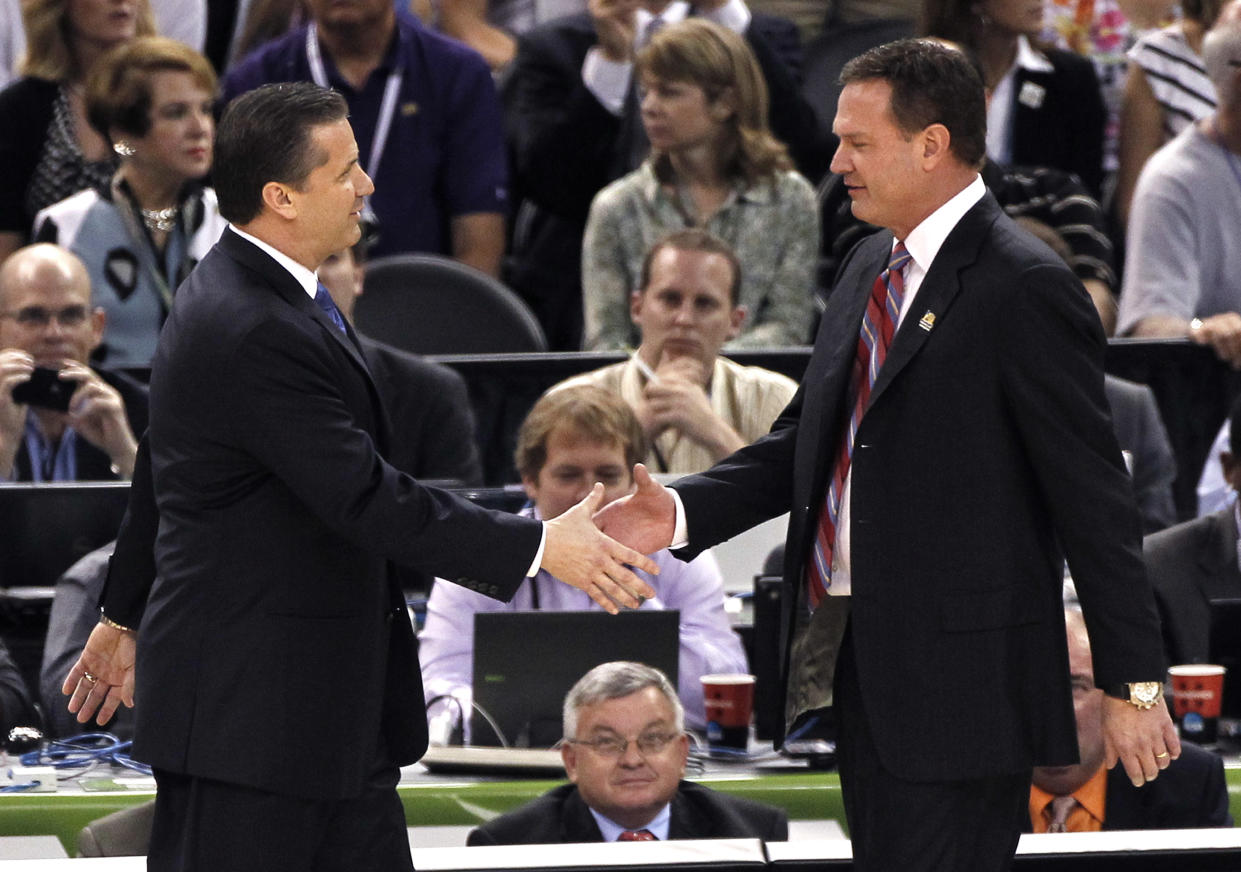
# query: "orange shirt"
1087,817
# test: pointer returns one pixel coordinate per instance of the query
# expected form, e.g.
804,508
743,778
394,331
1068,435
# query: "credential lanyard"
387,109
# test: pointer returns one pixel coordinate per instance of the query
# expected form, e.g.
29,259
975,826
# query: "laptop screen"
525,663
47,527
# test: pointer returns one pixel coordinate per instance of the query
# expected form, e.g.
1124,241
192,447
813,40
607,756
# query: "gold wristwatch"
1142,694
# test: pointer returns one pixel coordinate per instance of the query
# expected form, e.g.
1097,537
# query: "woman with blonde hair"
713,164
139,237
47,148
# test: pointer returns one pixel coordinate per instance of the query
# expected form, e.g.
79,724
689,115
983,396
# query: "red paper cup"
1197,691
729,699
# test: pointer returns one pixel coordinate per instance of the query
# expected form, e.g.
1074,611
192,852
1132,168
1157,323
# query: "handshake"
592,548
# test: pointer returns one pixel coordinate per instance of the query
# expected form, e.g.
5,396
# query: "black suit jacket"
1189,565
93,464
986,449
561,815
274,649
1059,122
428,406
1189,794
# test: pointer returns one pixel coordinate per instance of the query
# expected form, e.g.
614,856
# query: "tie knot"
324,301
1058,811
900,257
636,836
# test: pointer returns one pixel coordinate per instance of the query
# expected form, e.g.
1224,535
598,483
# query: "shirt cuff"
734,15
607,80
680,532
538,555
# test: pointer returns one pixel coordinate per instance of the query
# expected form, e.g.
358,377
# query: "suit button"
494,590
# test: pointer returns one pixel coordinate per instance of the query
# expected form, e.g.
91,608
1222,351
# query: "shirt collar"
1092,796
1030,59
305,277
925,240
675,12
658,826
763,191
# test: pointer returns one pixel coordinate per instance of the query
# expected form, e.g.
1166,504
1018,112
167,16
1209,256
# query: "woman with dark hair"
141,235
47,148
713,164
1167,90
1046,108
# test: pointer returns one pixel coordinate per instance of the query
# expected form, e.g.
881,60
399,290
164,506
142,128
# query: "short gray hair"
614,680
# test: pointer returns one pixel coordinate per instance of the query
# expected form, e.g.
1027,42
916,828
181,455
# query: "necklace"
159,220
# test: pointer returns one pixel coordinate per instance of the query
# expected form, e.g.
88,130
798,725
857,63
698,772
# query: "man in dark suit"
571,112
1086,797
624,751
46,320
276,662
935,473
1194,562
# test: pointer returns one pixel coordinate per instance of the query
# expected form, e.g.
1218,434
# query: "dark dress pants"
905,826
203,825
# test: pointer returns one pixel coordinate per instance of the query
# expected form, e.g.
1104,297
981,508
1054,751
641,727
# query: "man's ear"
277,198
936,143
736,320
635,305
98,321
568,756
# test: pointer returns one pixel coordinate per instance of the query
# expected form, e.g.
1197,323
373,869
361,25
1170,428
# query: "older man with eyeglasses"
60,420
625,750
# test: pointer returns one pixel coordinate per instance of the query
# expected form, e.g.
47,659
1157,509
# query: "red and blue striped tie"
883,310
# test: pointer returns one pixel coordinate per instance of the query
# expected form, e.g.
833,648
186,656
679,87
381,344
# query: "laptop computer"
525,663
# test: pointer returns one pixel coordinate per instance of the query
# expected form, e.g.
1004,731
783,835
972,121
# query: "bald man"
47,323
1190,793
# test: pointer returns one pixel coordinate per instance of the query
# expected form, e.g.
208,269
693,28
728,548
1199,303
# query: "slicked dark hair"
265,136
931,84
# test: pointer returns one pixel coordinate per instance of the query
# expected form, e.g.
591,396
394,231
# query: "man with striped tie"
949,446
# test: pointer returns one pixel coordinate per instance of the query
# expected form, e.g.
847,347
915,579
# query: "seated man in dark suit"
428,404
46,321
16,704
1194,562
625,750
1087,797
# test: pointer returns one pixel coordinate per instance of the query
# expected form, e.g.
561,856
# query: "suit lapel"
939,289
578,823
292,293
686,821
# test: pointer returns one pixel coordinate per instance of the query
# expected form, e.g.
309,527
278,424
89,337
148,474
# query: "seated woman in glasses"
152,99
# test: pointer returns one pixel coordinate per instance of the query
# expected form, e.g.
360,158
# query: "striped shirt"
1176,77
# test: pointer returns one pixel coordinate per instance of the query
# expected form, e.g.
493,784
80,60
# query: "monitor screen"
48,527
525,663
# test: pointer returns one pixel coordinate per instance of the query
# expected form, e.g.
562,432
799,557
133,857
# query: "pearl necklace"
159,220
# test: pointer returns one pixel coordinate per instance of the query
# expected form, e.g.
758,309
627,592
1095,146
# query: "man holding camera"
60,420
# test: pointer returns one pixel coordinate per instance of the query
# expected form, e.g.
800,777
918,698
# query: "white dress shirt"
923,244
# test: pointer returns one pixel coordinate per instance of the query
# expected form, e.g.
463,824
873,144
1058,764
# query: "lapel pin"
1031,95
927,321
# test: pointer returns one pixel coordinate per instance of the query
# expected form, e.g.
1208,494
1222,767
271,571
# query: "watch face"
1144,692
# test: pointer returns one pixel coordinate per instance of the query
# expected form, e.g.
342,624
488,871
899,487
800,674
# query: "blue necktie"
324,301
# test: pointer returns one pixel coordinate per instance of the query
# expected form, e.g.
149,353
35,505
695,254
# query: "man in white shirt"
695,406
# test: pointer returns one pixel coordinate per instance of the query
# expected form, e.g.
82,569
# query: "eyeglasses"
648,744
38,317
